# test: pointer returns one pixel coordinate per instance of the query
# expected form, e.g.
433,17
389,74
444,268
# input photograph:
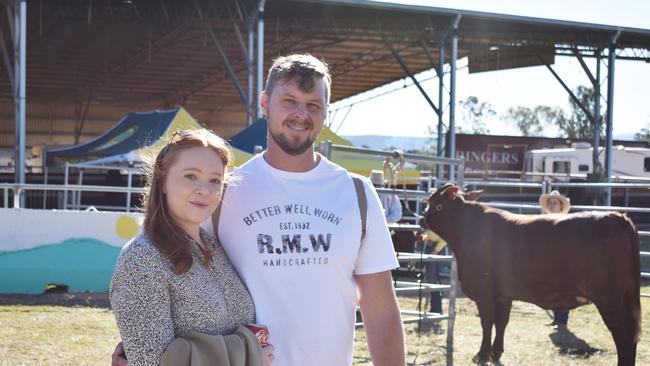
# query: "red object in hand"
261,332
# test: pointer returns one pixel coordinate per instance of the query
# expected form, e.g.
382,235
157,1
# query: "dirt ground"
90,299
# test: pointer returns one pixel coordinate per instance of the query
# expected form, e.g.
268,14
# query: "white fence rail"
70,194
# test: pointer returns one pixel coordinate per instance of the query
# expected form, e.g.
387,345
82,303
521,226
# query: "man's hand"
118,358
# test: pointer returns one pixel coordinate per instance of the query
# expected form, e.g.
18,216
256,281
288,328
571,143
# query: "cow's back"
563,260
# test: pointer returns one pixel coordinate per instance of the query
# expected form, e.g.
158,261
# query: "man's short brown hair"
302,69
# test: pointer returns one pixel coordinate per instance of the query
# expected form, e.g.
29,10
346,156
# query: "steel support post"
20,70
325,149
80,181
65,185
453,292
596,141
260,52
452,94
45,184
610,113
249,70
441,90
129,182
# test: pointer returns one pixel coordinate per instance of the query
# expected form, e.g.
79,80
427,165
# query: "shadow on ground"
570,345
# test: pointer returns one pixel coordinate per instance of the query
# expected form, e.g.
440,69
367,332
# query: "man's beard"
283,142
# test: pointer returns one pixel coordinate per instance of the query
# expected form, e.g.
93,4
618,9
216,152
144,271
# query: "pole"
610,113
249,68
441,89
596,141
452,94
260,53
20,69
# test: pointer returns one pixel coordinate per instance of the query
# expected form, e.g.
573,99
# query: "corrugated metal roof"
145,54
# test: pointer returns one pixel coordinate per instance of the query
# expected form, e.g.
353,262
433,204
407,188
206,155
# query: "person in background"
555,203
174,278
431,243
389,201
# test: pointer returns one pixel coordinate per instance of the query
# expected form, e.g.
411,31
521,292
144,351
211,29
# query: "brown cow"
553,261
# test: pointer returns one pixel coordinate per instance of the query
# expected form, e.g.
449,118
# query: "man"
389,201
431,243
291,227
555,203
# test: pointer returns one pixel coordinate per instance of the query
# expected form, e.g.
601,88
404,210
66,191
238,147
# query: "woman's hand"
267,354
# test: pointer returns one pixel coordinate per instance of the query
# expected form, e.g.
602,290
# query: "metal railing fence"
17,190
455,165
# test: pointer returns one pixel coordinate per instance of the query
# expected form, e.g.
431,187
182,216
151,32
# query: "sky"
376,114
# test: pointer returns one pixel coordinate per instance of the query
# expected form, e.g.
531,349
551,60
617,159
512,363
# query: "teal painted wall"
84,264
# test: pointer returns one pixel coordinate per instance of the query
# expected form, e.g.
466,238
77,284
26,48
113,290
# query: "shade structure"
134,138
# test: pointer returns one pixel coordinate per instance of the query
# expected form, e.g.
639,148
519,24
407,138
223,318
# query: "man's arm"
381,318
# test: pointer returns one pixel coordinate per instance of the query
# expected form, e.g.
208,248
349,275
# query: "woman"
174,278
555,203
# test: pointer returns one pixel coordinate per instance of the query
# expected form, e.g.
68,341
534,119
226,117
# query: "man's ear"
264,103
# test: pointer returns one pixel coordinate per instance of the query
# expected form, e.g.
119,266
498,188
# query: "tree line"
535,121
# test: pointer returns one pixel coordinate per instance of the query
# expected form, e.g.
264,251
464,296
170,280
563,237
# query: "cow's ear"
473,195
450,192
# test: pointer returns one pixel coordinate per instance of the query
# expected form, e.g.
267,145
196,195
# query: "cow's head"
442,207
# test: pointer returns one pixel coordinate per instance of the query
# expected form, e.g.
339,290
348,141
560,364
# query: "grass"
83,335
56,335
528,340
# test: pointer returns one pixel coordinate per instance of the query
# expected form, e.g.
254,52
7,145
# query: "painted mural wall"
74,248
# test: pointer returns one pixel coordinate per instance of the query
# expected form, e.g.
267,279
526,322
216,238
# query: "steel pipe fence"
543,187
18,189
645,275
455,165
546,187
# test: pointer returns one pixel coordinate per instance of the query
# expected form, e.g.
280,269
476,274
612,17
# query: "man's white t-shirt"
295,239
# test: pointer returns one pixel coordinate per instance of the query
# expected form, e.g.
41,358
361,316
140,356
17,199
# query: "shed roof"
159,53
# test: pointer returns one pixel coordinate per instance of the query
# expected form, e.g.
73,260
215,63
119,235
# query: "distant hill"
381,142
625,136
406,143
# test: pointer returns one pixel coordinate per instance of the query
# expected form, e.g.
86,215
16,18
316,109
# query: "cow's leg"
486,312
501,318
620,323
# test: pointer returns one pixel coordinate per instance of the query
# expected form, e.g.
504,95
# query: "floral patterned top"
153,305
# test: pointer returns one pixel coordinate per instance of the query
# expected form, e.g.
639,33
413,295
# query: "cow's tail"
634,298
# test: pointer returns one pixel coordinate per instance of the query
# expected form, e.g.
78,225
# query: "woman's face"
554,205
193,186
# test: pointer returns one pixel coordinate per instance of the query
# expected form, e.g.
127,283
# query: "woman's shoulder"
140,252
139,266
